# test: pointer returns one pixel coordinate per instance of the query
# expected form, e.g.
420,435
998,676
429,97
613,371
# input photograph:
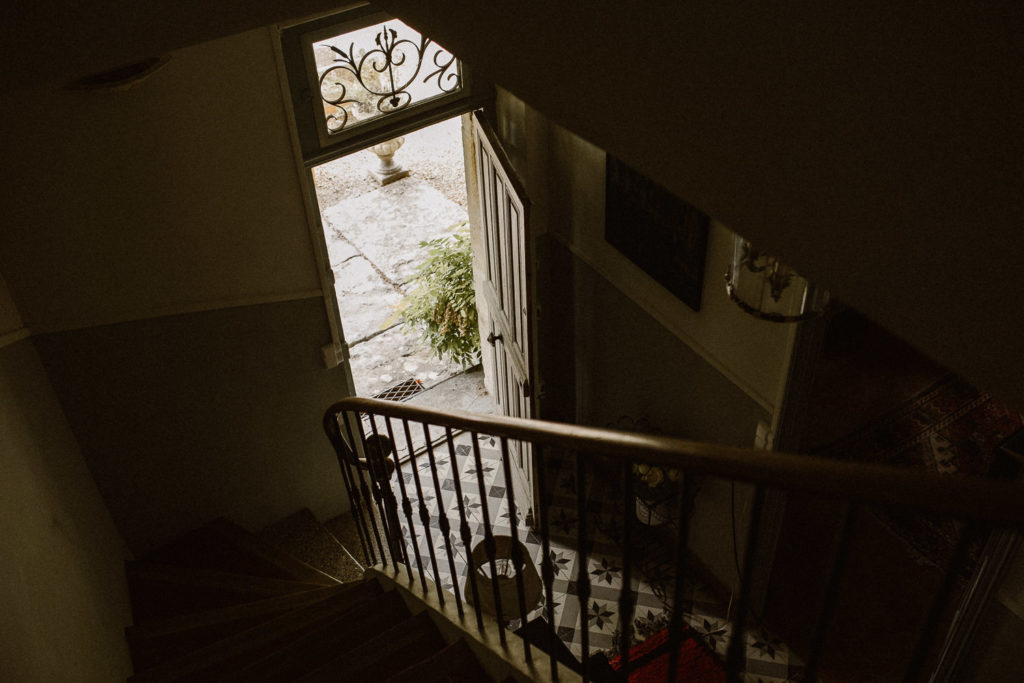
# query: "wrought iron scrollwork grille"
382,79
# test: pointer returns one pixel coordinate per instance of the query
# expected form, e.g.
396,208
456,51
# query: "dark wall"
188,417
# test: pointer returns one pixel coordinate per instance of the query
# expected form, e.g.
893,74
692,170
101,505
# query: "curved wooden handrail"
964,497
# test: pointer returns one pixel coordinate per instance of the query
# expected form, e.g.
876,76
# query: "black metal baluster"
464,532
406,504
518,560
393,526
627,597
370,498
424,517
547,569
734,657
346,461
488,537
583,576
837,562
442,522
355,503
675,624
949,580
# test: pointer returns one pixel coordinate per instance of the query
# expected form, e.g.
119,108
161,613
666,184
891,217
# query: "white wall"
157,245
627,347
10,317
179,193
565,179
63,595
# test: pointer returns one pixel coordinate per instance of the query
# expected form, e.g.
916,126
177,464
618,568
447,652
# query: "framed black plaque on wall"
656,230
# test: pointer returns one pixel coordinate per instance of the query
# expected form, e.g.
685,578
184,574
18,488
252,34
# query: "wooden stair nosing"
169,626
288,626
401,646
288,563
139,570
283,536
154,642
350,631
455,662
163,591
221,545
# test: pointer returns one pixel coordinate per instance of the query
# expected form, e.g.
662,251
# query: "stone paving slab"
367,302
387,225
339,251
393,356
464,391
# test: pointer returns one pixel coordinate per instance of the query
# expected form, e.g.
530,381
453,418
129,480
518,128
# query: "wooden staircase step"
156,641
401,646
304,537
455,662
229,654
222,545
159,591
344,635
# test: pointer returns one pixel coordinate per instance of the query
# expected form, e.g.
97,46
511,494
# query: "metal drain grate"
402,391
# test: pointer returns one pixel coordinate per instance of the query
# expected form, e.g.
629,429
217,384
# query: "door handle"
491,338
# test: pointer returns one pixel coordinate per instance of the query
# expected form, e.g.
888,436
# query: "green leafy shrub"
442,304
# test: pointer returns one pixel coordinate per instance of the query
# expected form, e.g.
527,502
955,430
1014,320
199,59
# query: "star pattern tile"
652,572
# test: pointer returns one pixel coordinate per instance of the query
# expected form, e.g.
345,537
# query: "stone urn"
387,171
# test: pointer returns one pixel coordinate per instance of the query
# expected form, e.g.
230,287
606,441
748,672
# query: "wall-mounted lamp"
770,290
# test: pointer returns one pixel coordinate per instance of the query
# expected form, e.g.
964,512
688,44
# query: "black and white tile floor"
767,659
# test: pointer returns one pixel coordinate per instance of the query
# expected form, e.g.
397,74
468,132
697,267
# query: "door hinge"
334,355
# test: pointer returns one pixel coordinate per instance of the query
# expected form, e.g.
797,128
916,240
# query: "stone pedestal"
387,171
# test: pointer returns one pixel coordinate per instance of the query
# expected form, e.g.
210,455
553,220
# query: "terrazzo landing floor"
767,658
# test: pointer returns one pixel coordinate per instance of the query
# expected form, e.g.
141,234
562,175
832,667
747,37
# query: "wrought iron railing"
385,470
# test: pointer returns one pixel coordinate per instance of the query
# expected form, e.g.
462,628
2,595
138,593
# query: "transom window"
374,71
362,76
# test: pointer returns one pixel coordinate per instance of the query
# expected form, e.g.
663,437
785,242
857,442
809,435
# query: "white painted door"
506,290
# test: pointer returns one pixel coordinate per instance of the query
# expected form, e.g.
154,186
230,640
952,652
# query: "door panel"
506,292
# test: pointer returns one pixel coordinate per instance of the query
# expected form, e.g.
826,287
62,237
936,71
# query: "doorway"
379,207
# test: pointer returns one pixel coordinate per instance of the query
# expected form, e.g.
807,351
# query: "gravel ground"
433,154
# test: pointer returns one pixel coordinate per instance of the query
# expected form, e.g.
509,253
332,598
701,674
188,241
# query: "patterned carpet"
768,659
951,428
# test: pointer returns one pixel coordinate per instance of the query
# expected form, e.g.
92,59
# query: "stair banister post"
347,460
379,474
406,507
488,537
424,516
518,560
547,570
583,575
467,537
369,498
442,521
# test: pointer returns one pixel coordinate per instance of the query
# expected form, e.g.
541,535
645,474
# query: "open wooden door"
506,292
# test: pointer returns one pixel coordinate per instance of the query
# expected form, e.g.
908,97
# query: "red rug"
696,663
951,428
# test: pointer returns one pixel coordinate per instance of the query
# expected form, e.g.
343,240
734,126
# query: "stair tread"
222,545
349,632
399,647
301,535
225,655
160,591
454,663
158,640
